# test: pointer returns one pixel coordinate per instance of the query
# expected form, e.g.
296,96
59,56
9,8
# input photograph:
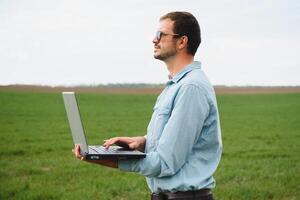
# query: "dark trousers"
204,194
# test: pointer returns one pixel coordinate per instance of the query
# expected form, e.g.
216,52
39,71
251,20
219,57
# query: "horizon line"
131,85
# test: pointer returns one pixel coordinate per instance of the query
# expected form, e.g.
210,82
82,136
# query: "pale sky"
73,42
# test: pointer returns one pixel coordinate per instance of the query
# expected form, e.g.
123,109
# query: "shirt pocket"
161,119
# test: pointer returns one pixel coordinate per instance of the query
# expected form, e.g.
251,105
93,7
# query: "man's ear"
183,42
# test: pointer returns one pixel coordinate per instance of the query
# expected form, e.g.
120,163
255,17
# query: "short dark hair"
186,24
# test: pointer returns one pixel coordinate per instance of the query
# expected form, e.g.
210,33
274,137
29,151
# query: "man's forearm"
106,163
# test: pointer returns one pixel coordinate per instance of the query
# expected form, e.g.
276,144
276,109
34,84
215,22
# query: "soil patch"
148,90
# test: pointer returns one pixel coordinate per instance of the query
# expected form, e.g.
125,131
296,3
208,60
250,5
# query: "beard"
165,54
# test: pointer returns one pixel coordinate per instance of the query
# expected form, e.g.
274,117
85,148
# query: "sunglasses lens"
158,35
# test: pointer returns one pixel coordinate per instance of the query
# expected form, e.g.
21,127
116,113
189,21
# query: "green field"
261,138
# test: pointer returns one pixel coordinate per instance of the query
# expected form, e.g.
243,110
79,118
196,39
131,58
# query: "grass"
261,137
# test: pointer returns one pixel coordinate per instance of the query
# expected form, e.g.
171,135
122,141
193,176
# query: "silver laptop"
97,152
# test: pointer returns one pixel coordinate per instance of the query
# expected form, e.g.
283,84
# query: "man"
183,141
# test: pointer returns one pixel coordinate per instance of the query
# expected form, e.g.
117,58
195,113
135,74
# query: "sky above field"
74,42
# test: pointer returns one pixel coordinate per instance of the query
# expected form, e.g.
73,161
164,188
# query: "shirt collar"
183,72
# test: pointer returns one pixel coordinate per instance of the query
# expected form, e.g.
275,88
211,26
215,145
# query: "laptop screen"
75,121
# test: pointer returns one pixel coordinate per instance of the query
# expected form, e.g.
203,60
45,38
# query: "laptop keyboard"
102,150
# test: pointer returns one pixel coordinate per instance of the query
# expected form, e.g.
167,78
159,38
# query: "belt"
181,195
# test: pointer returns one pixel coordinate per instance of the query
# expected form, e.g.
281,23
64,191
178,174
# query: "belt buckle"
157,196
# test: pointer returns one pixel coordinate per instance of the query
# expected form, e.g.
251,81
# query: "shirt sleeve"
182,130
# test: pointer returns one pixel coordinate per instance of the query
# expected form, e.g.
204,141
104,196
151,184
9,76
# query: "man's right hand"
107,163
136,143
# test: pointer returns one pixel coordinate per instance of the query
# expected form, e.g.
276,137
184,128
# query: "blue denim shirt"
183,142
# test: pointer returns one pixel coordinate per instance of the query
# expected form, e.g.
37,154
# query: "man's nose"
155,40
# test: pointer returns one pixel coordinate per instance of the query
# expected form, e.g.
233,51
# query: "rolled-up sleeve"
183,128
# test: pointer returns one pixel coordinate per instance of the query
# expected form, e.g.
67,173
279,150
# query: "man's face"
165,47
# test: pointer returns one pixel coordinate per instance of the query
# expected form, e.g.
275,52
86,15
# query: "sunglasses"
159,34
